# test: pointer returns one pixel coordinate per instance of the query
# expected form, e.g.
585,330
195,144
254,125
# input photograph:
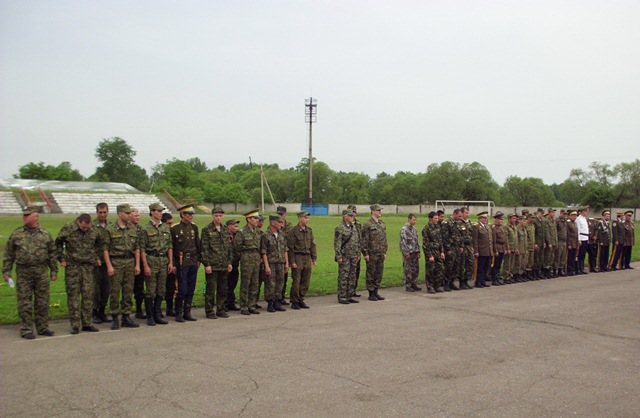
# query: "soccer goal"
449,205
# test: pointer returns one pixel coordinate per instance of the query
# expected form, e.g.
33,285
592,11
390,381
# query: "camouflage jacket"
531,237
550,231
78,247
522,245
561,230
374,237
247,240
432,241
451,236
301,241
466,233
102,230
539,223
120,242
512,237
155,239
275,247
30,247
346,241
409,243
215,247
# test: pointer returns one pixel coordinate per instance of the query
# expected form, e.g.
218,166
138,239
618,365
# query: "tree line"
600,186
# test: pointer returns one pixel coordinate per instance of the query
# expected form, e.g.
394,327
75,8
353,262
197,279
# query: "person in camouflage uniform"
234,274
33,251
171,285
551,241
262,274
358,226
275,258
560,262
531,246
410,249
157,261
346,245
374,249
121,252
451,239
302,256
467,261
499,242
573,244
521,257
433,248
247,245
101,281
79,250
286,227
138,280
539,245
215,246
512,249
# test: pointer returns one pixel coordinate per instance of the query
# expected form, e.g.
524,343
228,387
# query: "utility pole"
310,118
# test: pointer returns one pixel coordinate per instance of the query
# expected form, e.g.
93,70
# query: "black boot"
148,304
378,295
157,311
103,317
187,313
270,307
170,310
453,286
278,306
372,296
139,313
115,324
128,323
95,318
178,315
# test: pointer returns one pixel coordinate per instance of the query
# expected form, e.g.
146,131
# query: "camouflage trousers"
249,271
347,277
451,263
411,268
273,283
121,281
300,277
156,284
531,256
466,264
517,262
434,275
549,257
215,295
78,280
375,268
522,265
560,261
538,263
32,287
509,262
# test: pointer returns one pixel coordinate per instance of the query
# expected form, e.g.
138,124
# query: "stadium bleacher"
9,204
86,202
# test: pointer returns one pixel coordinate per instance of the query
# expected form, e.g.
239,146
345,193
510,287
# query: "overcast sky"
525,88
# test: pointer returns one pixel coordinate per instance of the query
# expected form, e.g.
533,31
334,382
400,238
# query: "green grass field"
323,280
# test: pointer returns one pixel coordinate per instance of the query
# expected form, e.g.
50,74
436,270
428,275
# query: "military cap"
551,210
156,206
604,212
540,210
618,214
187,209
29,210
232,222
563,211
375,207
629,212
531,215
524,211
217,209
275,218
280,210
302,214
522,217
348,212
125,207
511,215
498,215
597,219
260,218
252,214
484,214
352,208
573,212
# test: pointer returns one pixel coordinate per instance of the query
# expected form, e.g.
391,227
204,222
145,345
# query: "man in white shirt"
583,237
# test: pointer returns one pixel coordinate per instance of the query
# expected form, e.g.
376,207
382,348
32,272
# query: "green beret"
125,207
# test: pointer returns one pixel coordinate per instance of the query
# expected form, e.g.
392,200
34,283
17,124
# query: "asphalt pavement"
552,348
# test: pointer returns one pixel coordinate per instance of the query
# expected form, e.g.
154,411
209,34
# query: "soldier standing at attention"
79,251
247,245
232,276
101,282
302,255
275,258
629,239
539,245
551,240
433,248
603,234
157,260
617,232
346,244
573,244
592,248
483,249
282,211
358,226
215,245
138,280
499,241
511,250
171,285
186,256
531,246
467,261
121,252
262,275
440,216
560,263
523,245
33,251
374,249
453,250
410,249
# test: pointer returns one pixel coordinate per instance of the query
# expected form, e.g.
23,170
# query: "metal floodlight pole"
310,118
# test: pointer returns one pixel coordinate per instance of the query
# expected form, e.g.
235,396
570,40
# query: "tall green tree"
41,171
118,165
528,191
